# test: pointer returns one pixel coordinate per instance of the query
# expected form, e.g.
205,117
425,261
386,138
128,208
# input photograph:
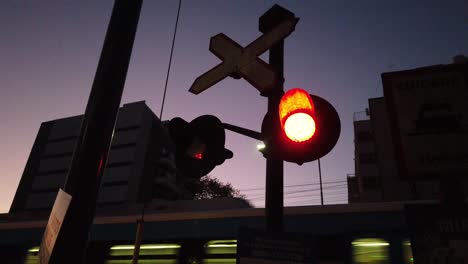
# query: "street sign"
54,224
438,235
429,120
244,62
257,246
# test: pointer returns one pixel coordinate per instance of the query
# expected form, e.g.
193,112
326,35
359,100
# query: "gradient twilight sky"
50,48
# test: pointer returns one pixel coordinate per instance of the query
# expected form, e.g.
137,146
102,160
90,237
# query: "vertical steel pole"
91,151
274,167
274,202
320,179
138,239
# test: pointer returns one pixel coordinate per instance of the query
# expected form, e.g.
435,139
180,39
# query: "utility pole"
92,147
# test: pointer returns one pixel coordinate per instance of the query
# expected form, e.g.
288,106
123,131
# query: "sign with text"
56,217
437,235
429,120
260,247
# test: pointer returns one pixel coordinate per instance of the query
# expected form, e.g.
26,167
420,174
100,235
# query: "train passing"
356,233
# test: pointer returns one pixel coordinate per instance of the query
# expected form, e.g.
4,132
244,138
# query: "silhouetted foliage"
208,188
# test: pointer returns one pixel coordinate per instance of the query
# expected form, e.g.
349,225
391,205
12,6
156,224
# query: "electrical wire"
141,221
311,195
294,185
328,188
170,59
333,199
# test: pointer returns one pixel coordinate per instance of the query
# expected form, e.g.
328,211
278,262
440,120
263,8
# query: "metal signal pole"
91,151
274,202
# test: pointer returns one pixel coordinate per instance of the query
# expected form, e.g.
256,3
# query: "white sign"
428,110
53,225
244,62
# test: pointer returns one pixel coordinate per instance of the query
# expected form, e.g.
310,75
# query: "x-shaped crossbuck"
244,62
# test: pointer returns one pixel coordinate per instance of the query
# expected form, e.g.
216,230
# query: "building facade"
377,175
141,156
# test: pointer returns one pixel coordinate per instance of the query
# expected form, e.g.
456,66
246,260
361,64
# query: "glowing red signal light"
198,156
296,112
299,127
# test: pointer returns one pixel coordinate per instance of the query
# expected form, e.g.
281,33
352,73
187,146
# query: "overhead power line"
294,185
329,188
170,59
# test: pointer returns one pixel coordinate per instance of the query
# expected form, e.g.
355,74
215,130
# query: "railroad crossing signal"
244,62
310,128
199,145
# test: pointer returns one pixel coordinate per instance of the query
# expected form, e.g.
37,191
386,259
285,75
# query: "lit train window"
149,253
33,256
370,251
220,252
407,252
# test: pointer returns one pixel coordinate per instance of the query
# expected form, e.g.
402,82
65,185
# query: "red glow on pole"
101,165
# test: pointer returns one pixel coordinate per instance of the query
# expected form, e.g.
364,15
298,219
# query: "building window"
367,158
220,252
370,251
407,252
149,253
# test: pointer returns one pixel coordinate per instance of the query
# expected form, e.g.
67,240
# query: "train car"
354,233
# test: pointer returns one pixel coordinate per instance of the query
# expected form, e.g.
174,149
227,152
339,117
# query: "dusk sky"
50,49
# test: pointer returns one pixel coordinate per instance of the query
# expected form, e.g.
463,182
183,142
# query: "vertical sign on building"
429,120
438,235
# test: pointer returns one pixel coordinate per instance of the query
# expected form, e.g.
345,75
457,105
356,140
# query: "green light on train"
370,251
33,249
220,261
149,246
221,246
370,244
145,250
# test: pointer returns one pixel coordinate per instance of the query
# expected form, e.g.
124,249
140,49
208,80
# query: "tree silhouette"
209,187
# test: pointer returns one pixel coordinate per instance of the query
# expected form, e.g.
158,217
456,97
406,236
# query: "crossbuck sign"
244,62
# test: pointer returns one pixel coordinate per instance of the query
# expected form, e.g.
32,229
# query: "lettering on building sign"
454,225
436,83
444,159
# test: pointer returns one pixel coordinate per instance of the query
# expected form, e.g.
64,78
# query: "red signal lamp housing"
199,145
296,113
304,128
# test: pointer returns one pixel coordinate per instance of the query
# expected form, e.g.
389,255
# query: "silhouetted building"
141,156
377,177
